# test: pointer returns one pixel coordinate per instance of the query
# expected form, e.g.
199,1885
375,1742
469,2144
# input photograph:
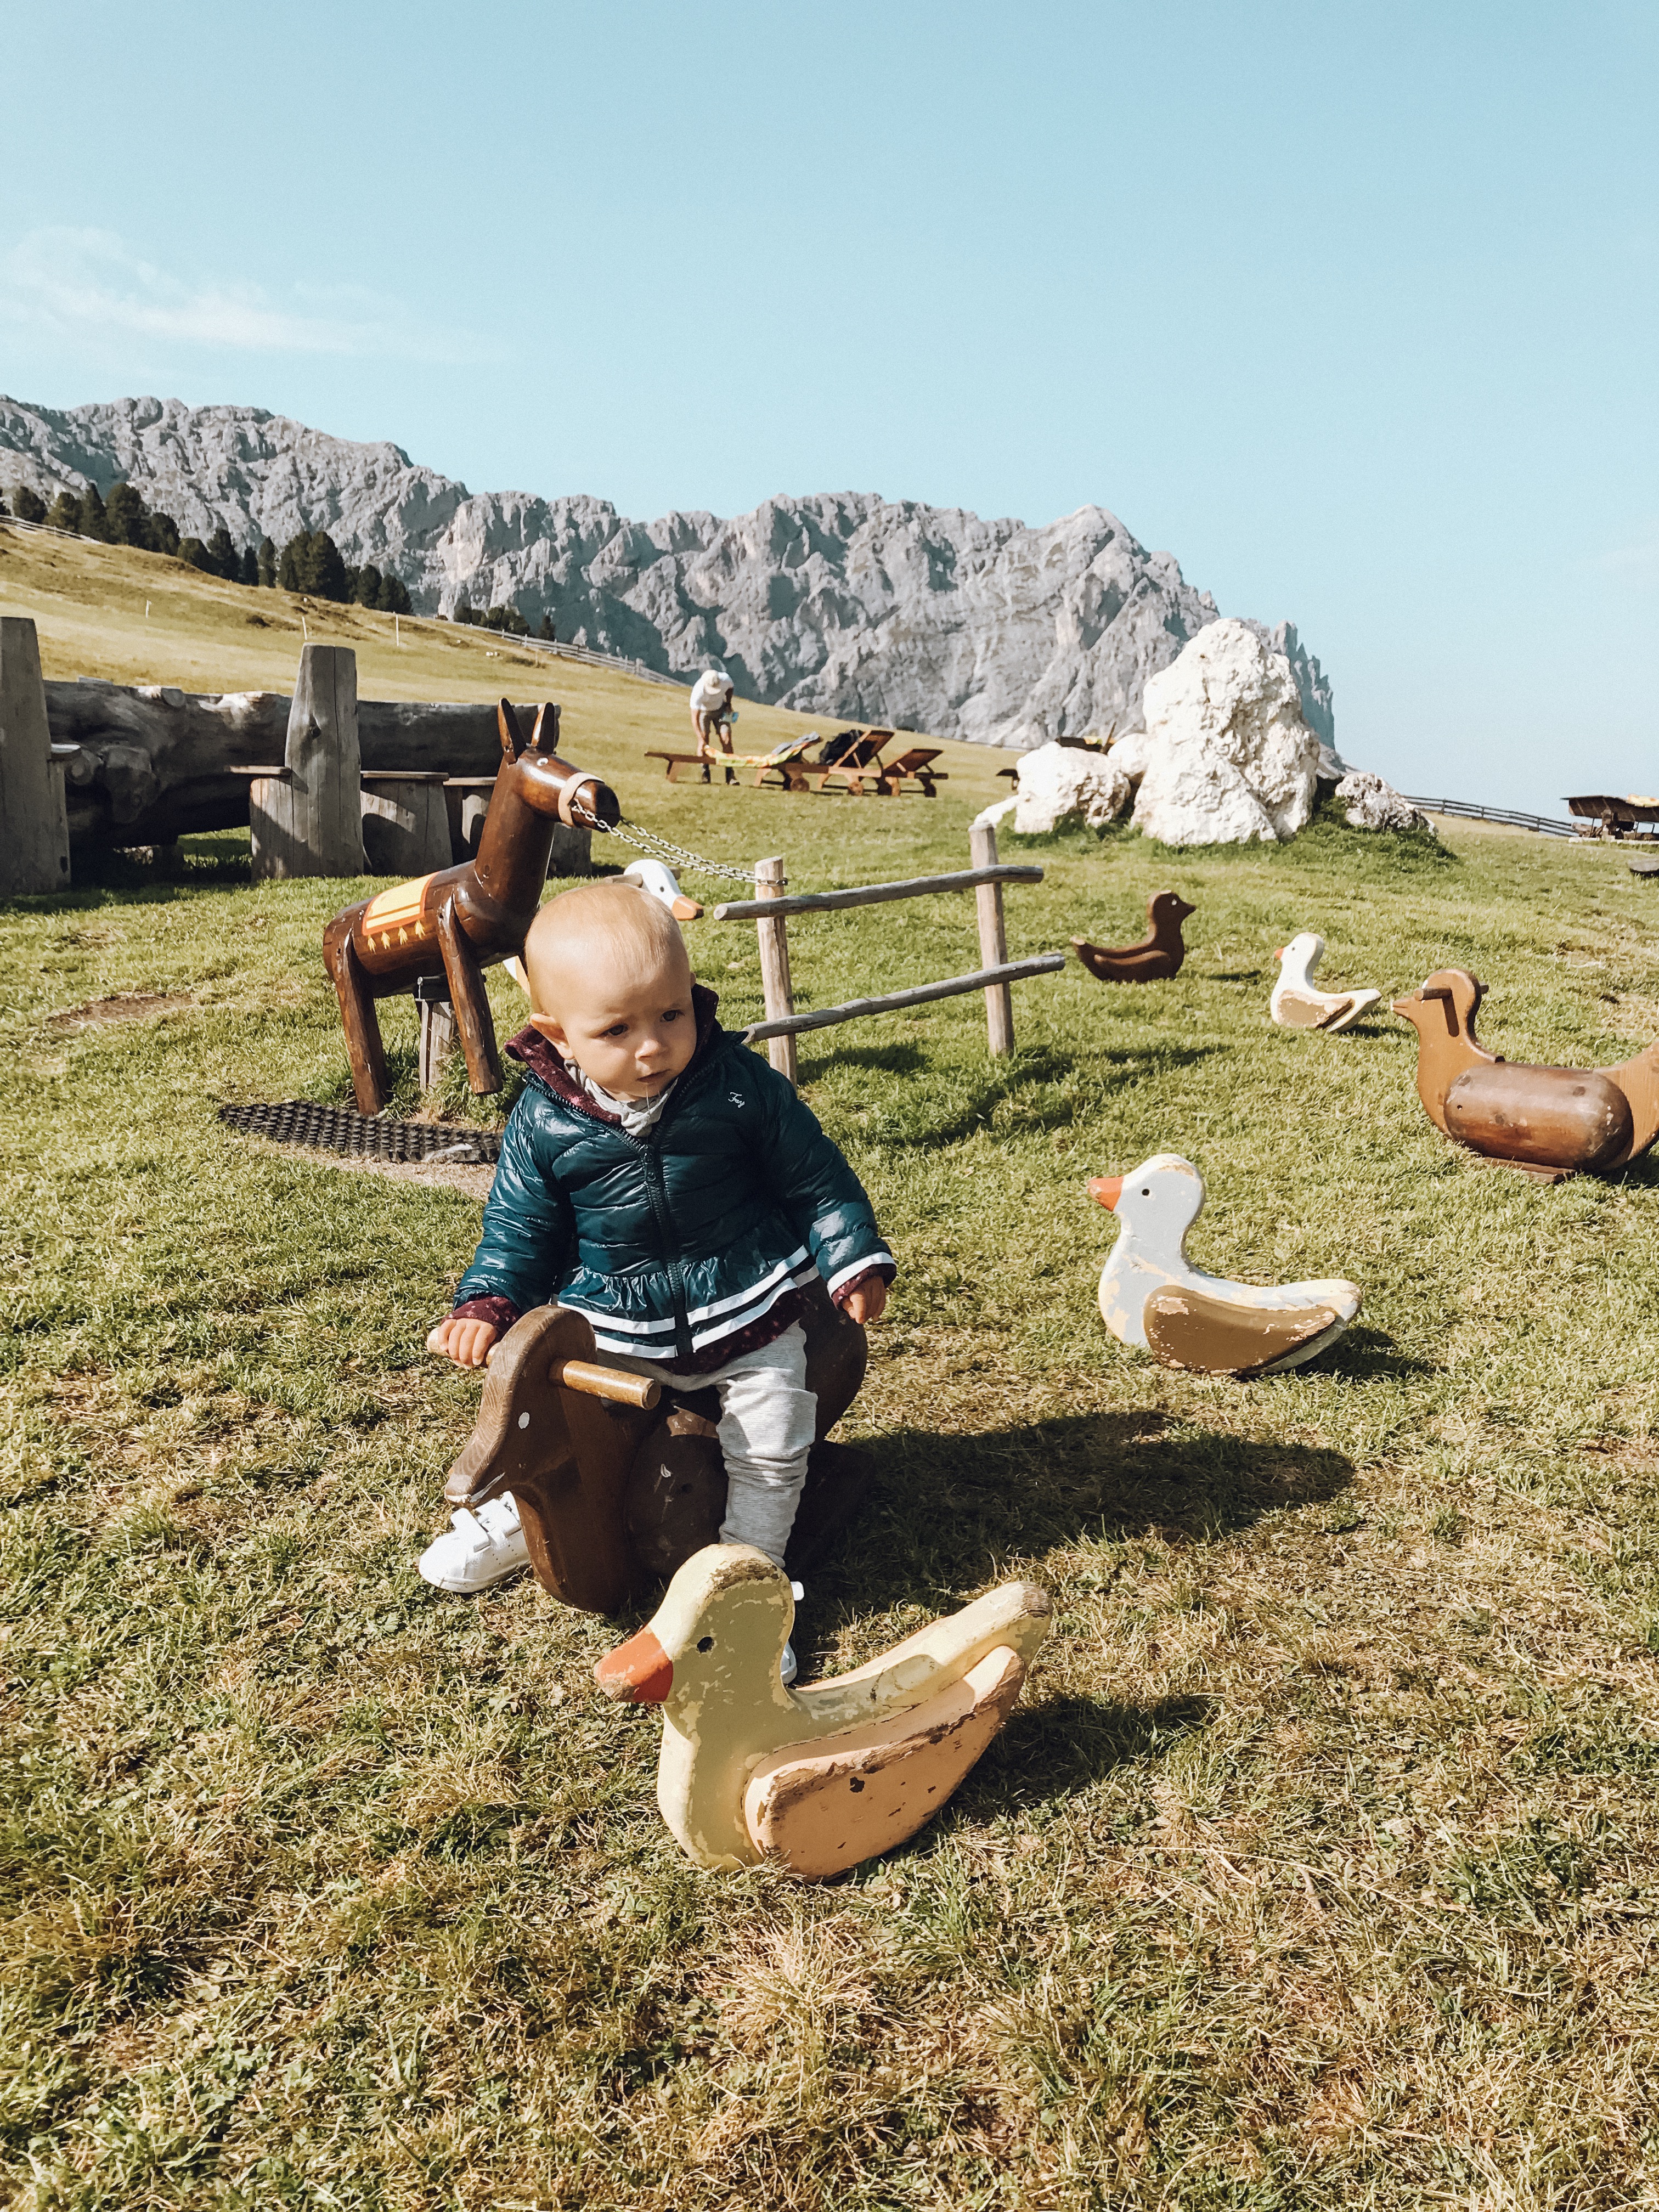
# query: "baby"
660,1178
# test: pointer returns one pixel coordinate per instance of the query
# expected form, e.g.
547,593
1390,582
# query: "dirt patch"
471,1181
124,1006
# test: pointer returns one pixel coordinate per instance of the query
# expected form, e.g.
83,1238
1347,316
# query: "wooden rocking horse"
618,1483
457,922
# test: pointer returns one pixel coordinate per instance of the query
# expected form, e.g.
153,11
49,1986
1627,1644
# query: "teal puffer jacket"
672,1241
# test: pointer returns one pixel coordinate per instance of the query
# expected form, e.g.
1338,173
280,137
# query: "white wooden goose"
814,1779
1152,1297
1297,1004
662,884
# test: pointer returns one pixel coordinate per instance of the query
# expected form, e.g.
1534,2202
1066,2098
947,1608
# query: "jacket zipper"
657,1191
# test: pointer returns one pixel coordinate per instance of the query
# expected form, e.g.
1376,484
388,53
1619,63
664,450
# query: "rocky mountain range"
839,603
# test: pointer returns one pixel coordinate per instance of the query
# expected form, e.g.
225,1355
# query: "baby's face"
631,1035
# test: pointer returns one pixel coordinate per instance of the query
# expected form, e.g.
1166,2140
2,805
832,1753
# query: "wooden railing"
771,914
1541,822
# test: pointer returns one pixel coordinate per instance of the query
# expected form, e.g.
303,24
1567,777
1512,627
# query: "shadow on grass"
1062,1745
950,1511
1366,1353
884,1058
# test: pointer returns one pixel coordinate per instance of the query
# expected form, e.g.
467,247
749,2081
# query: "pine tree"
227,561
28,506
64,514
94,522
164,535
268,559
394,596
127,517
249,570
464,612
197,556
366,585
287,571
547,631
326,574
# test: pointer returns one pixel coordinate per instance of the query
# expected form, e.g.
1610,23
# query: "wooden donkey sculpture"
457,922
614,1492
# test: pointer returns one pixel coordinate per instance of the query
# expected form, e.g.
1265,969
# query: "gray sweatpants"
768,1420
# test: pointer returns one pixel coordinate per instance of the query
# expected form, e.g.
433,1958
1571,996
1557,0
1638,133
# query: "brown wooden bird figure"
1157,957
1547,1122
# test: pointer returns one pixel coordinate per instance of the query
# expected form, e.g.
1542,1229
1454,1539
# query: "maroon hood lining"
544,1062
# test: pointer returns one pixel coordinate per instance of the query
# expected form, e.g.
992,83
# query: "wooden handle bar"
610,1382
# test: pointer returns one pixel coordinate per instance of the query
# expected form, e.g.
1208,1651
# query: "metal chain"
659,848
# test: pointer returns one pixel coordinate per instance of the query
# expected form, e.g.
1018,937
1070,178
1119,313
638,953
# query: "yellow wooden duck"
817,1779
1151,1295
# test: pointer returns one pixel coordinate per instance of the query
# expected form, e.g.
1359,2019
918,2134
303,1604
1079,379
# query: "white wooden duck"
1151,1296
814,1779
662,883
1298,1005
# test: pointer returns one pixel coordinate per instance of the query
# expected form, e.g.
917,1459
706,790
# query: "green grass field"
1320,1866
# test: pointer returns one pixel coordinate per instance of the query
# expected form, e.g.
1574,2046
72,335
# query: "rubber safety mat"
340,1130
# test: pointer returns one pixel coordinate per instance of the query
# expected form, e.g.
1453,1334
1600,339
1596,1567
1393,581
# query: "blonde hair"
614,926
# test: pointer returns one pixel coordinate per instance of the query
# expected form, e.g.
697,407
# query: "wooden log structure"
34,846
147,763
770,913
406,829
455,922
309,820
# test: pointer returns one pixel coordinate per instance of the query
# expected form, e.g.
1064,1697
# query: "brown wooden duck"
1548,1121
1157,957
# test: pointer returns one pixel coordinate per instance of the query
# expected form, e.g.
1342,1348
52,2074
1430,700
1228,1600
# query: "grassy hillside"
134,618
1320,1865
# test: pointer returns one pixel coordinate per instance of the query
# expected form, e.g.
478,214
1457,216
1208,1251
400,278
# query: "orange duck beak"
1106,1190
685,909
637,1672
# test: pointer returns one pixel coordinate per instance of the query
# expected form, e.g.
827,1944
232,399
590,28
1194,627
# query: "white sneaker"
480,1548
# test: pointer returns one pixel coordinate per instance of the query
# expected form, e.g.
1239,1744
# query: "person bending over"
712,716
660,1178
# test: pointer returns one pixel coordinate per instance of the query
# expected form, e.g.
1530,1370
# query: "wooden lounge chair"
678,761
913,771
788,762
859,769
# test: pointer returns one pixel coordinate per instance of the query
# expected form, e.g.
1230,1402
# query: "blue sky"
1351,308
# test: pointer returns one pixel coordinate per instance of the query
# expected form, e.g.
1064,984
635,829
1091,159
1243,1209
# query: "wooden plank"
982,979
993,940
965,879
774,967
35,845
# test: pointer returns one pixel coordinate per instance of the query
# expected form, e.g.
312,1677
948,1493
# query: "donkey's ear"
544,739
512,736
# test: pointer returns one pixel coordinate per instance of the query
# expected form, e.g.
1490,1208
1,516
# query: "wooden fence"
770,913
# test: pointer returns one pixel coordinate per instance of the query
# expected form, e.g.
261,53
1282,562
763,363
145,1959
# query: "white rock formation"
1059,784
843,603
1371,804
1227,757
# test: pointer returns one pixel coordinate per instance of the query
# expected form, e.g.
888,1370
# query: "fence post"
769,883
993,940
34,848
311,821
